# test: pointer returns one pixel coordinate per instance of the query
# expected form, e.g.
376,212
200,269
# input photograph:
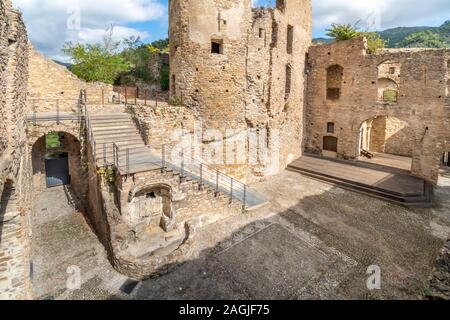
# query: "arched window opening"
387,90
335,75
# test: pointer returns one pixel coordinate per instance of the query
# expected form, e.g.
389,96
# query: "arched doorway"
387,141
56,161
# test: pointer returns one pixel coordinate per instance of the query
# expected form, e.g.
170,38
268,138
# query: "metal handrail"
207,176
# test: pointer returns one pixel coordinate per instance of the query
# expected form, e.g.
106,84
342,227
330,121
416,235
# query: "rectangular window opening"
290,39
288,81
330,127
217,46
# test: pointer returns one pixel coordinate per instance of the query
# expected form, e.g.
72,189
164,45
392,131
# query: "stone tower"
242,68
208,58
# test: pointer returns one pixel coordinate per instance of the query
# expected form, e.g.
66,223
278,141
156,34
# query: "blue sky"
53,22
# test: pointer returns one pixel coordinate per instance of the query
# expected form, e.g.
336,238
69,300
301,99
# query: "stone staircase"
119,129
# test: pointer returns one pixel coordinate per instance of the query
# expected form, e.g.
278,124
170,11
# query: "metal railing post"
231,190
182,167
103,98
136,92
244,202
156,99
94,150
104,155
116,156
128,161
145,97
163,159
126,97
57,112
201,176
217,182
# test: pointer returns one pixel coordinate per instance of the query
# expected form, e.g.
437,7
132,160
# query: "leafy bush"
97,62
342,32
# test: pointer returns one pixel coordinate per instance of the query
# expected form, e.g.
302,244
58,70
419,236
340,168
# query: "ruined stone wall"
244,87
419,75
50,83
161,125
129,232
14,160
276,79
156,62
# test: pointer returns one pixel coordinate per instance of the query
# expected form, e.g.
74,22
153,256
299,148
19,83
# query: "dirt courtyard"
314,241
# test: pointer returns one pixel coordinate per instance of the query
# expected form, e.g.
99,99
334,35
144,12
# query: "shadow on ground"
315,241
318,248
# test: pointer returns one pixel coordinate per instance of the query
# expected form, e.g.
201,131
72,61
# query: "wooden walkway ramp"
373,180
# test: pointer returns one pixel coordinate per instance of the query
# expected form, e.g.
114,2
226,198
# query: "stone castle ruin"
244,83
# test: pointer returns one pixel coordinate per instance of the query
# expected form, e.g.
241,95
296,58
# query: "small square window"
392,70
261,32
330,127
217,46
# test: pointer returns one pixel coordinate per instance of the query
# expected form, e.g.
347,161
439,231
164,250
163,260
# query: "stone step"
115,133
133,152
101,116
123,146
109,140
117,127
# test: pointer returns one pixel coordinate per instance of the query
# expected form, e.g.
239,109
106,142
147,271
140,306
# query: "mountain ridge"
394,36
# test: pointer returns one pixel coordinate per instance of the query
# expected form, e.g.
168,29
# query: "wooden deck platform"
374,180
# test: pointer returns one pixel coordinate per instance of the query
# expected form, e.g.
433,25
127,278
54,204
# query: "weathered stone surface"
50,84
415,125
15,175
254,82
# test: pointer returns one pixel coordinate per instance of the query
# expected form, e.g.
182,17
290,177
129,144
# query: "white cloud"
47,20
384,13
51,23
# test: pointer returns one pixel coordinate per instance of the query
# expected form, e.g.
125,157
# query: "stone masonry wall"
110,213
159,125
50,82
243,88
419,75
15,175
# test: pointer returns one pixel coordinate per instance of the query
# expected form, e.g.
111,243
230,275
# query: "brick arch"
38,131
73,147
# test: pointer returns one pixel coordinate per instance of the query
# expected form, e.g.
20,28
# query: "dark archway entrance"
446,159
57,169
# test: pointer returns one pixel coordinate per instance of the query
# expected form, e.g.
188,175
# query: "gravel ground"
313,241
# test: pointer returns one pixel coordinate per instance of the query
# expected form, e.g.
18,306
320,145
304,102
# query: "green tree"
161,44
137,54
342,32
97,62
424,39
374,41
